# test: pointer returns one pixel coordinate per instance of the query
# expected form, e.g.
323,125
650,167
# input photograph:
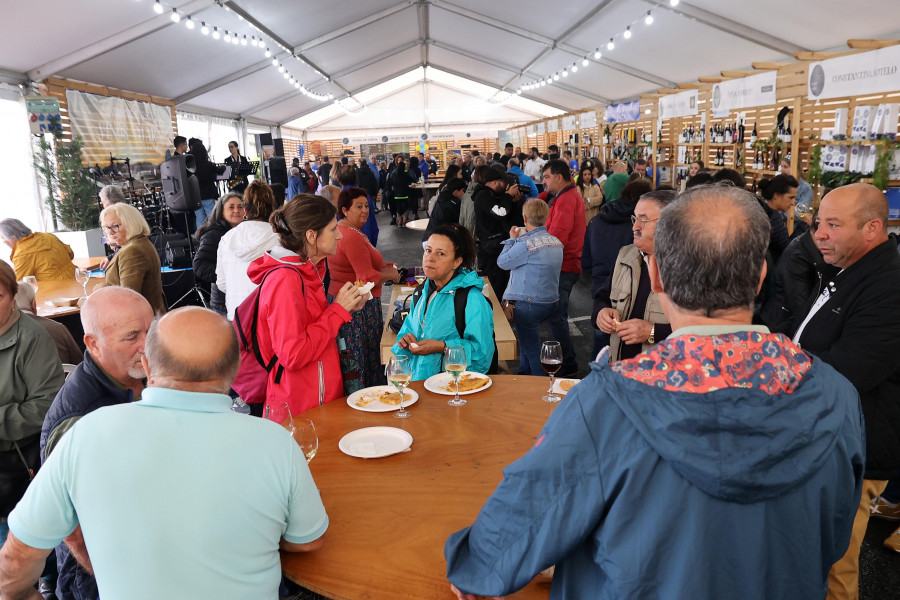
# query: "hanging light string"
625,34
254,40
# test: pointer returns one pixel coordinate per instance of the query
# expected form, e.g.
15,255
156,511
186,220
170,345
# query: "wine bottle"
729,135
741,132
787,132
753,136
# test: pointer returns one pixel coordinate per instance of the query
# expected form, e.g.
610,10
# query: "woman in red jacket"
296,322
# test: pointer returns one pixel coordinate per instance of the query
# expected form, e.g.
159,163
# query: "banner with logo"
553,125
855,75
43,114
683,104
122,128
568,123
588,119
747,92
619,113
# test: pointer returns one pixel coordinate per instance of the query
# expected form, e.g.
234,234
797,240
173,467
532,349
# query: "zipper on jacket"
321,385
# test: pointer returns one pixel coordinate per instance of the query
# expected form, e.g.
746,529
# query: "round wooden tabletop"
389,517
66,288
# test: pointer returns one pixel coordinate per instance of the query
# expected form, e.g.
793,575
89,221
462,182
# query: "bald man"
854,325
330,193
115,322
170,505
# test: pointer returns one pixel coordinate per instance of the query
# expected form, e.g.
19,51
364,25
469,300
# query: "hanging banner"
855,75
553,125
683,104
43,114
588,119
541,127
111,126
529,130
747,92
568,123
627,111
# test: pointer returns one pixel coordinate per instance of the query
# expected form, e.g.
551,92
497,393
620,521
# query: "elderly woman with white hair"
135,264
39,254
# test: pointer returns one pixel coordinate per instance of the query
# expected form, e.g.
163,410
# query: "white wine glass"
399,375
32,281
455,363
306,438
418,274
551,360
82,276
280,412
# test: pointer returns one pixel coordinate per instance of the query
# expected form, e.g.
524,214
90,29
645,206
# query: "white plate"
436,383
375,442
557,389
409,398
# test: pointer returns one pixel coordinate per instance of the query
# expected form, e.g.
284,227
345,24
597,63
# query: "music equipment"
276,171
181,188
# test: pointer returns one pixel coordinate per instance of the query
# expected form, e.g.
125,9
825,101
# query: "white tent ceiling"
372,52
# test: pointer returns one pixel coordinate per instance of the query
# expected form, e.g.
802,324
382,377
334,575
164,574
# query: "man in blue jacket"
115,322
723,463
525,182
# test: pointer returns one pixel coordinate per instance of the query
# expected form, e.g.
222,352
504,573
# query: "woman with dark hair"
206,174
446,207
731,176
779,194
400,179
449,262
243,244
296,322
415,195
590,192
228,213
357,260
453,172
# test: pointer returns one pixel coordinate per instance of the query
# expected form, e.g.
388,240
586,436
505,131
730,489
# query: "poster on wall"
619,113
568,123
553,125
43,114
747,92
855,75
683,104
541,127
588,119
122,128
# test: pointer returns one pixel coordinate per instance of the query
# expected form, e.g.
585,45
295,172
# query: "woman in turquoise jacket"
448,262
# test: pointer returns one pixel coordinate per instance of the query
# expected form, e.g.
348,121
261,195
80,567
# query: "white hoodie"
239,247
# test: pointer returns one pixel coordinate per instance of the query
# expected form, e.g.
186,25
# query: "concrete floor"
879,567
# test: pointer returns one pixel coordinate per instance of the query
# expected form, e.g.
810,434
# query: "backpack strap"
459,308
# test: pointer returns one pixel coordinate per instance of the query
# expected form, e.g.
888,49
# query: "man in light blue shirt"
177,496
525,182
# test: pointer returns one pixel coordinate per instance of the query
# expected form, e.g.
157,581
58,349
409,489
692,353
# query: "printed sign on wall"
683,104
747,92
855,75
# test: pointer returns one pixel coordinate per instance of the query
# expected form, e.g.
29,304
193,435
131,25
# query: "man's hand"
20,567
607,319
461,596
634,331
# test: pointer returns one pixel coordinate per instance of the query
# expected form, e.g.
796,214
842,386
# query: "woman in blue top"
448,262
534,260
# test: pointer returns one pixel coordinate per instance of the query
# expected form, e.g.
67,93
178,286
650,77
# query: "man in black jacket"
493,218
854,325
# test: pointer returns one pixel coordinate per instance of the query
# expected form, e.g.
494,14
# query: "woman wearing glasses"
135,264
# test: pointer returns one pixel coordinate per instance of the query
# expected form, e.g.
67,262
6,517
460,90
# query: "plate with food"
562,386
470,382
375,442
381,398
64,302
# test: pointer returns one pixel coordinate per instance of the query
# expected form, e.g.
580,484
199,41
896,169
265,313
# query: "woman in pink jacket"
296,323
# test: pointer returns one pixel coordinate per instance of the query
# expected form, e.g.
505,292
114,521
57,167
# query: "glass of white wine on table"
399,375
418,274
455,363
551,360
306,438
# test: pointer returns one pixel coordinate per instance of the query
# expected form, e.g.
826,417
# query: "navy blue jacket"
86,389
606,234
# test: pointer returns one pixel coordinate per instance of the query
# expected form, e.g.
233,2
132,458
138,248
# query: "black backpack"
459,309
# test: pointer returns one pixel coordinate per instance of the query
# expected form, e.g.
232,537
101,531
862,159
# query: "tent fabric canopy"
420,64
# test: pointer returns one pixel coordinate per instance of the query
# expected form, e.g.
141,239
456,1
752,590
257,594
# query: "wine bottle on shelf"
787,132
741,132
781,131
753,136
712,133
721,138
729,134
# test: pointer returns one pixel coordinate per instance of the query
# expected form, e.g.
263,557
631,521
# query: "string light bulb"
268,53
158,8
673,2
574,68
597,54
648,19
585,62
244,41
175,16
216,34
189,23
610,45
565,73
203,28
627,34
556,76
227,37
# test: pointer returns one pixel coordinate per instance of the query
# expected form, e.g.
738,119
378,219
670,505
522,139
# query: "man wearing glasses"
625,307
237,183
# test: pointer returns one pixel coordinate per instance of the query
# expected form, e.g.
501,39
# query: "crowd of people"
748,371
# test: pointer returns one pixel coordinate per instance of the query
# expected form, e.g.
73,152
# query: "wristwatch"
651,339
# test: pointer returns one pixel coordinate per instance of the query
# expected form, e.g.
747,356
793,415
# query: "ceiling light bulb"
286,75
216,34
227,37
297,84
269,53
627,34
519,92
274,62
543,83
574,68
610,45
585,62
189,23
648,19
158,8
673,2
235,40
556,76
203,28
549,81
244,41
597,54
565,74
280,69
175,16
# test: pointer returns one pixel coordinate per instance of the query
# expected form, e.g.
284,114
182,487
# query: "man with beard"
115,321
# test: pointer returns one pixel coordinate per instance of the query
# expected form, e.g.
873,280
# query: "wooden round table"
389,517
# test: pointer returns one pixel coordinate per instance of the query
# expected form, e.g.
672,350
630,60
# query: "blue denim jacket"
534,260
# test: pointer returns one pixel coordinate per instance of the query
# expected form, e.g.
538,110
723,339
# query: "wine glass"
551,360
419,274
306,438
280,413
399,375
82,276
455,363
32,281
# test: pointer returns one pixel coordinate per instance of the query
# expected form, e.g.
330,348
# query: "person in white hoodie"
245,243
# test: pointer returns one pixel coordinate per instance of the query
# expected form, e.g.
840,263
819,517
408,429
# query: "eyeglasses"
643,221
111,228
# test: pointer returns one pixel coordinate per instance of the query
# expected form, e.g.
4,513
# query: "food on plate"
389,397
364,287
566,384
468,383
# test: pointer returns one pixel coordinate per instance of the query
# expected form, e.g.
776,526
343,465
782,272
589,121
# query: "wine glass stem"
552,378
456,399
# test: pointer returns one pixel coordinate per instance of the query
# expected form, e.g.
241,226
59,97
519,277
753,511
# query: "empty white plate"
375,442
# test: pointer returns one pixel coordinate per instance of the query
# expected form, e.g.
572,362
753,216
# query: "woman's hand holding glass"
350,298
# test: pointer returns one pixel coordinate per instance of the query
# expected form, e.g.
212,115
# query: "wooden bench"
507,345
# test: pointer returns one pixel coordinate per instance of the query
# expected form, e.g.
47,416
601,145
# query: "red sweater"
356,259
566,223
